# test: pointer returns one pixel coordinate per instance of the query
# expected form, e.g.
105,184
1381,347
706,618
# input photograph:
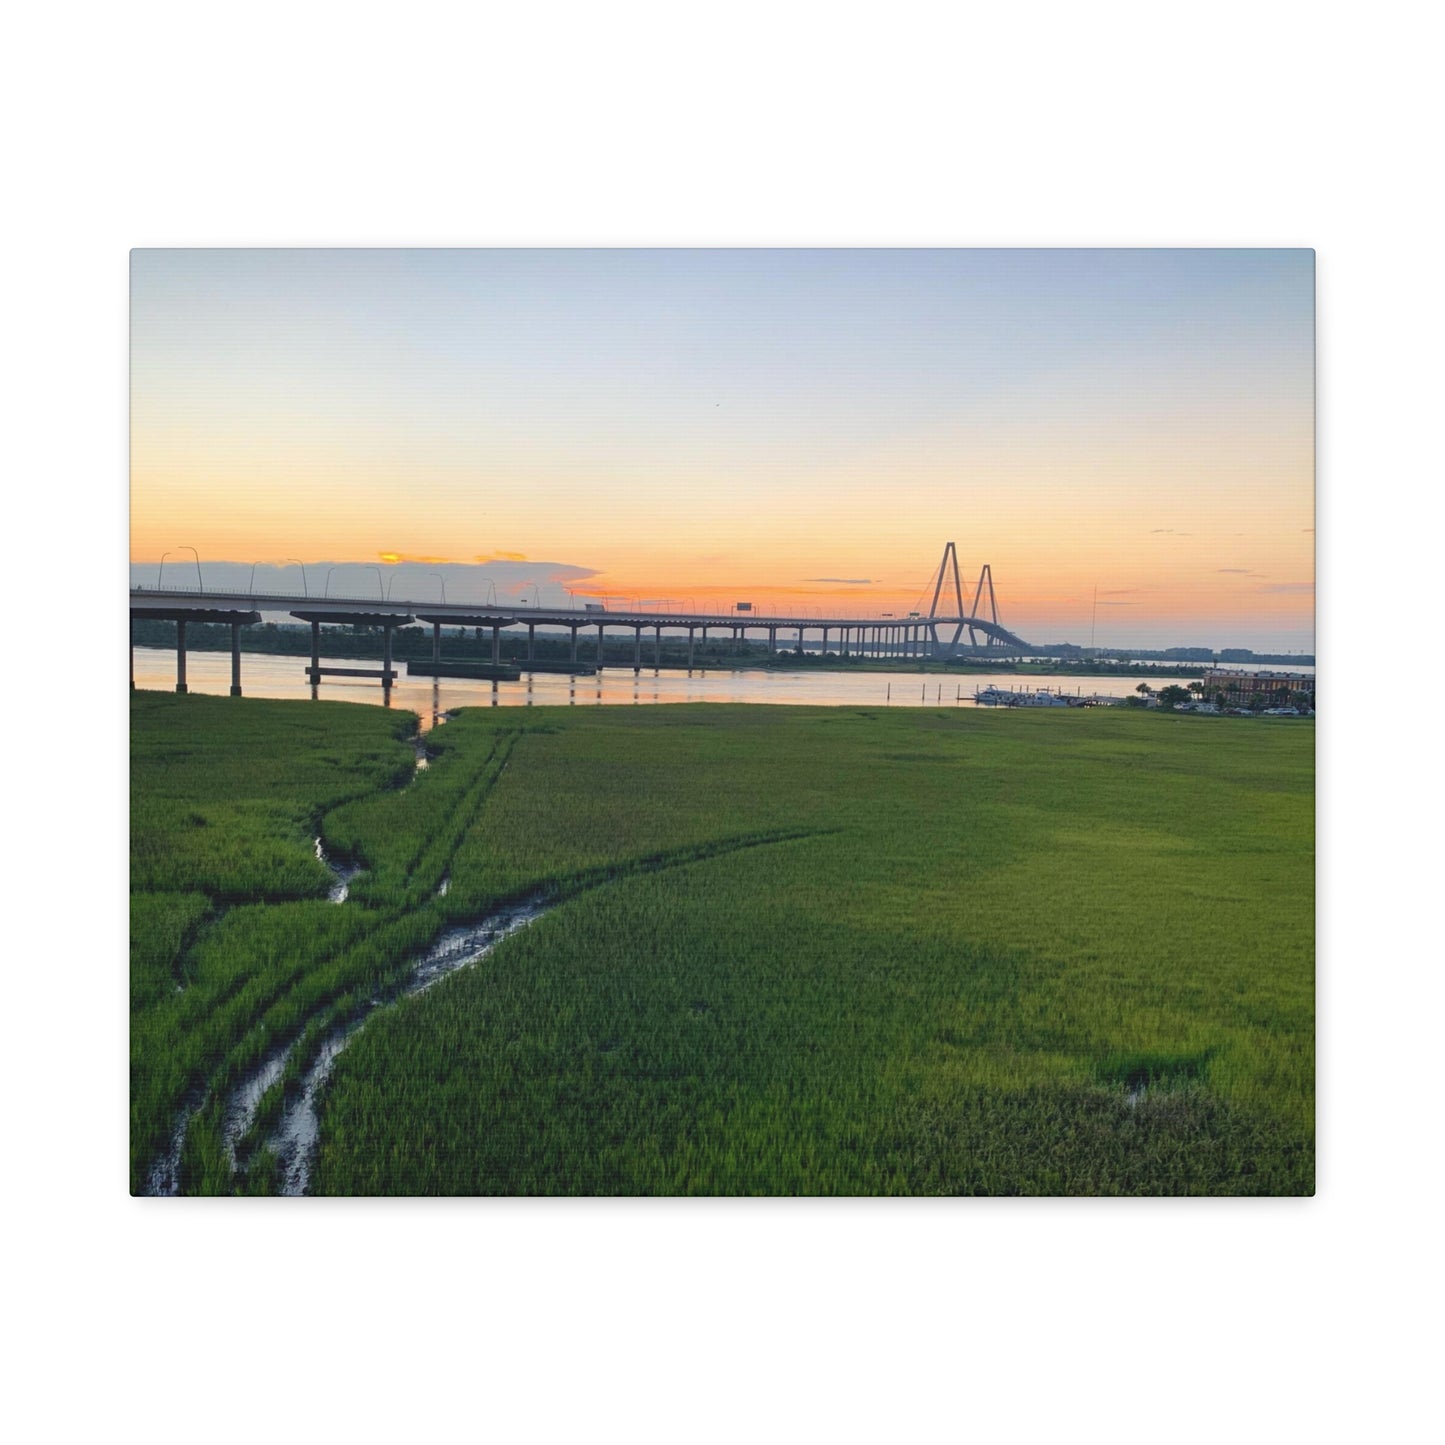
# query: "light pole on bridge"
200,581
443,581
161,569
305,590
380,588
251,585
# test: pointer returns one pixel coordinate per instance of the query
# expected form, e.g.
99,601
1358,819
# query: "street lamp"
200,581
536,594
305,590
443,581
161,568
380,587
326,590
491,594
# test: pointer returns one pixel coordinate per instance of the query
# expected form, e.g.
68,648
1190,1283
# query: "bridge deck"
146,602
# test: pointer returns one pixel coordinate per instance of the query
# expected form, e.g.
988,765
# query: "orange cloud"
409,557
502,557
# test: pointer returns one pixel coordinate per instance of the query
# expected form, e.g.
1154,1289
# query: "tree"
1197,688
1172,694
1144,688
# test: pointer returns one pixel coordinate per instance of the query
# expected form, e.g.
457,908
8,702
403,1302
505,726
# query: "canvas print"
722,722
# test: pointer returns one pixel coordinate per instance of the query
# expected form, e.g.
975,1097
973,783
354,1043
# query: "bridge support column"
132,654
637,647
825,642
180,656
315,668
386,657
574,644
436,643
657,646
599,646
235,659
772,639
689,649
496,645
531,642
800,639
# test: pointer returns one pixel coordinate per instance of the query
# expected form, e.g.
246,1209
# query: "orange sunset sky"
1125,436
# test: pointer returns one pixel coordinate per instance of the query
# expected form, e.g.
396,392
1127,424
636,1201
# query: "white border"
807,124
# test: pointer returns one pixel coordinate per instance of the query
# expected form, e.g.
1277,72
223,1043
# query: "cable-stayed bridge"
915,635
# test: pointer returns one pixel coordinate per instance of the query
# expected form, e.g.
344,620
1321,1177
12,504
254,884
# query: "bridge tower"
986,576
964,615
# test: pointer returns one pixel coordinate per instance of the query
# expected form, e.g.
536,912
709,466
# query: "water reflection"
267,675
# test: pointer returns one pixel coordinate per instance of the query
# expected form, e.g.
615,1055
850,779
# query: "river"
271,675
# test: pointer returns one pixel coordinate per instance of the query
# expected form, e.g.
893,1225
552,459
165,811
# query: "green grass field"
793,950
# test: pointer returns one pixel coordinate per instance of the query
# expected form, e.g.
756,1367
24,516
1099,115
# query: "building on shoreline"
1240,689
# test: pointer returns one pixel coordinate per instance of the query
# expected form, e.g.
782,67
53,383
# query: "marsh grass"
794,951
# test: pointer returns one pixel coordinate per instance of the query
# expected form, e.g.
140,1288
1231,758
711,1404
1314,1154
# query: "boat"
999,697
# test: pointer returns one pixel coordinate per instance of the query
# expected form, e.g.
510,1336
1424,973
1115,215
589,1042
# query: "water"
299,1130
267,675
342,872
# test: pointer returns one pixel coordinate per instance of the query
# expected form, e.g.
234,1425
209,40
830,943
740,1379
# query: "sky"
1125,437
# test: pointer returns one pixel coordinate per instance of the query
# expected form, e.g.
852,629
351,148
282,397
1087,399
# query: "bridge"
884,635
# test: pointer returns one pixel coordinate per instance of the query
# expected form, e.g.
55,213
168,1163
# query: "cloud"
502,557
1240,571
1115,604
1121,591
849,581
1287,587
395,557
1153,530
